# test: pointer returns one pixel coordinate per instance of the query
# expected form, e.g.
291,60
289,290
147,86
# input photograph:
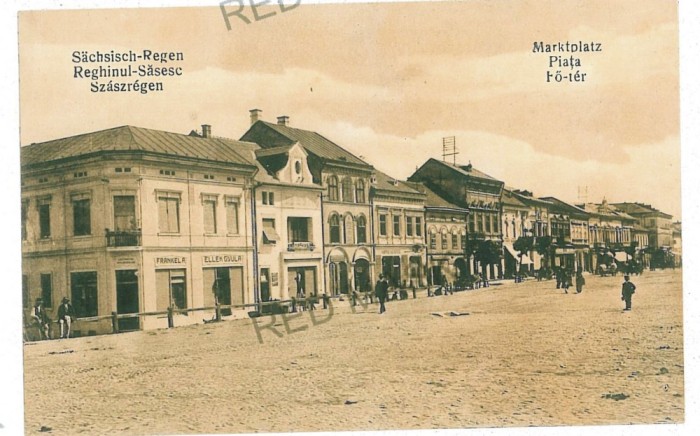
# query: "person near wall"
65,317
41,318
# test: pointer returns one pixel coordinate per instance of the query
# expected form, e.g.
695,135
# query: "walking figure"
580,281
65,316
381,289
628,289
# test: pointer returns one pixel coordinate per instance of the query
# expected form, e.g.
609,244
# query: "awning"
269,232
525,260
621,256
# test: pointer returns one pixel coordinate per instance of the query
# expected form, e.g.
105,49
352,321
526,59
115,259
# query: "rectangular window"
455,245
84,293
264,197
45,219
419,227
497,224
487,218
271,198
168,212
81,217
47,290
382,225
25,209
269,232
409,226
124,212
397,225
25,291
472,224
298,229
232,216
171,289
209,208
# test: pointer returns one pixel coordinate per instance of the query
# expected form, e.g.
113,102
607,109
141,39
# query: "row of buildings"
132,220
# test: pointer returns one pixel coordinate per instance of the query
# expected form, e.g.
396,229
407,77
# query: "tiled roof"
559,206
387,183
467,170
272,151
432,198
639,208
311,141
130,138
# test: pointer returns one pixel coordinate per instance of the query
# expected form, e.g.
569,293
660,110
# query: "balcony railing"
301,246
123,238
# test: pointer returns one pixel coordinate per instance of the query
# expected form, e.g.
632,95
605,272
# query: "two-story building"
349,262
570,237
398,228
134,220
610,233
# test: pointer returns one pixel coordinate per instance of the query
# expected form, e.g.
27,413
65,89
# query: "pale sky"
388,81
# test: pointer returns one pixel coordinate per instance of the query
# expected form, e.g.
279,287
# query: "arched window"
433,239
361,230
334,224
347,190
360,191
333,188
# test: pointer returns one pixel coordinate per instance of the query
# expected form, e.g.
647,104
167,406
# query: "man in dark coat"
65,317
628,289
381,290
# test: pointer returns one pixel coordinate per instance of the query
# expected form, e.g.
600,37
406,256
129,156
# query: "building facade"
132,220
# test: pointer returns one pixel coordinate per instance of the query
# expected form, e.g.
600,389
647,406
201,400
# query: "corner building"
132,220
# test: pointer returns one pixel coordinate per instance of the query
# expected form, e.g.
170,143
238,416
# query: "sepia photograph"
279,216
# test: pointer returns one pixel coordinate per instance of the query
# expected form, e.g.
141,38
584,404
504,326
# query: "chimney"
206,131
283,120
254,115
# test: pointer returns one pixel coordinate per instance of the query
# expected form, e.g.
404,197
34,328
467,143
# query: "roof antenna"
449,148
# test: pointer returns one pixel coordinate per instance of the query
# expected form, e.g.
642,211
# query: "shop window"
171,289
81,216
84,293
169,212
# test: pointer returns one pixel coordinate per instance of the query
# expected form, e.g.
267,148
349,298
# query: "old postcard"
272,216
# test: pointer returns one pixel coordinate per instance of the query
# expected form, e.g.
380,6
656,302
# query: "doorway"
128,298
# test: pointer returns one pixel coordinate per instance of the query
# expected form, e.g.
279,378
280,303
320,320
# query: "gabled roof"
466,170
138,139
509,198
559,206
432,198
312,142
388,183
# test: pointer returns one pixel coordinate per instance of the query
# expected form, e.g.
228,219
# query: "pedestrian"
565,280
628,289
381,289
41,318
65,317
580,281
558,272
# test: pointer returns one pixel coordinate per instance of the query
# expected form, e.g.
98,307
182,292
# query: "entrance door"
265,284
128,298
222,286
343,279
362,282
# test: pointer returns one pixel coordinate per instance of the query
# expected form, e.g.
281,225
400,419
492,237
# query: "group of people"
66,315
565,278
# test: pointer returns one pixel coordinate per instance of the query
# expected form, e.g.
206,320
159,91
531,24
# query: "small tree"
544,248
488,253
523,245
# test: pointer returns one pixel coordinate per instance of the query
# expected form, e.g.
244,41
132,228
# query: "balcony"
123,238
301,246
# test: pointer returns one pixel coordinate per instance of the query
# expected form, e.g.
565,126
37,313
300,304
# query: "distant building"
516,224
611,233
134,220
656,222
570,237
536,223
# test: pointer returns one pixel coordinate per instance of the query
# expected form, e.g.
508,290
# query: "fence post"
218,311
414,291
325,301
115,323
171,324
294,305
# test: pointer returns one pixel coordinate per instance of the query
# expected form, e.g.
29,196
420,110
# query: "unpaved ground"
526,354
